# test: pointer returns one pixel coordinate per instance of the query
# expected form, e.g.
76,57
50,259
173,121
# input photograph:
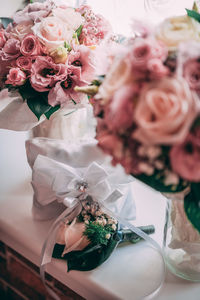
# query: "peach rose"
165,111
52,32
72,237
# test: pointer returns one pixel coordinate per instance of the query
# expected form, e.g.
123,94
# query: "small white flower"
99,221
153,152
114,227
98,213
171,178
86,222
108,235
159,164
146,168
86,217
104,222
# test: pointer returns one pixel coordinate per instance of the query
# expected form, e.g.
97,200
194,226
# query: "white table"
135,262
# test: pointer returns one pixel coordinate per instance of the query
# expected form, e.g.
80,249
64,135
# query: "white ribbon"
70,186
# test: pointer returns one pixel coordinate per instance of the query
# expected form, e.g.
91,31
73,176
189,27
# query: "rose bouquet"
45,52
148,109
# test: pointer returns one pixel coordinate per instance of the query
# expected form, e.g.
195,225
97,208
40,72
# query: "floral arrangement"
46,51
148,109
90,238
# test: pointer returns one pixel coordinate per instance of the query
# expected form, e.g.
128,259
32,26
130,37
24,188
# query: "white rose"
69,16
175,30
52,32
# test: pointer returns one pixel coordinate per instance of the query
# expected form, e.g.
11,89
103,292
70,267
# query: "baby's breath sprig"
99,226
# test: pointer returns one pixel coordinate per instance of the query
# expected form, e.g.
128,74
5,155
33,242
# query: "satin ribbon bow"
71,185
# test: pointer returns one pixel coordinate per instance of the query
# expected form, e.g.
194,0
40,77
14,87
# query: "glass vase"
181,243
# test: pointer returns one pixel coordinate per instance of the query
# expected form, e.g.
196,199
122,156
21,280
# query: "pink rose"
191,73
30,45
157,69
24,63
145,49
185,157
165,111
2,38
21,30
63,92
45,73
119,113
11,50
33,12
72,237
52,33
82,58
16,77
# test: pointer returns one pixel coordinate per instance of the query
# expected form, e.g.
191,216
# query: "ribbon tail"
47,248
143,235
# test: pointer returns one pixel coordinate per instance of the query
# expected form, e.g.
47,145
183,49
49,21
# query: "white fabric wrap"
16,115
58,166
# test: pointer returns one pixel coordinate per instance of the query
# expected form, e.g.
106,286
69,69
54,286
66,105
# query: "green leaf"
156,181
192,205
79,30
87,259
67,46
51,111
193,14
96,233
36,101
196,123
38,106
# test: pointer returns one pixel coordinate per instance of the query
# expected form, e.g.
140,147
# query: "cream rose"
69,16
119,74
52,32
165,112
175,30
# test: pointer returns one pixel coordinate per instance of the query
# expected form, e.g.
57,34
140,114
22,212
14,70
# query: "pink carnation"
185,157
63,92
157,69
45,73
30,45
119,113
145,49
16,77
11,50
82,58
24,63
